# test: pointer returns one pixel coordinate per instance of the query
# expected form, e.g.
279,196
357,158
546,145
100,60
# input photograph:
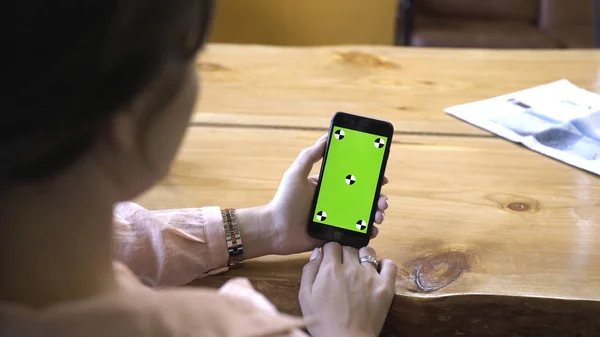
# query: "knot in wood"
364,59
519,206
440,270
212,67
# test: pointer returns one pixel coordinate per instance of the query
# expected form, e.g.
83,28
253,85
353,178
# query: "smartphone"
352,171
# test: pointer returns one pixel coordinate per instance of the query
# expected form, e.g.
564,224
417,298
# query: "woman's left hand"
288,212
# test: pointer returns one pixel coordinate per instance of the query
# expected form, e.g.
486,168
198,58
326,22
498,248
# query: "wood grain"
492,239
408,86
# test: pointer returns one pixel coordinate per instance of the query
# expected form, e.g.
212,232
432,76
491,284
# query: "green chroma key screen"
350,179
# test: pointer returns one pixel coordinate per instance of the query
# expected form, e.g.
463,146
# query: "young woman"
95,100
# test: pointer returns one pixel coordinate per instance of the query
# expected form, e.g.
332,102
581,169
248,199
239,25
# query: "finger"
332,253
379,217
313,179
385,180
310,271
308,157
368,251
323,137
350,255
374,232
383,203
389,271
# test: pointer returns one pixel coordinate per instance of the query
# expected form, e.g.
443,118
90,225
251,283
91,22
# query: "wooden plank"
408,86
501,240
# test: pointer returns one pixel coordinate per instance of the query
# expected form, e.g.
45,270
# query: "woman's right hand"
348,298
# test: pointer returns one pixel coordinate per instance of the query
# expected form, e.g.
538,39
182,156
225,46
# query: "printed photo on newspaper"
558,119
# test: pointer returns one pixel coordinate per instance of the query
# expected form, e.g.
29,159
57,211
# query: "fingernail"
383,216
387,202
314,254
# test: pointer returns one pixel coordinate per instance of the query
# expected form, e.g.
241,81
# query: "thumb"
308,157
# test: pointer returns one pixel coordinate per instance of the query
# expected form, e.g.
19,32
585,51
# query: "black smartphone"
352,171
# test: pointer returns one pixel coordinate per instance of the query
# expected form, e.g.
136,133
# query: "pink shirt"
161,249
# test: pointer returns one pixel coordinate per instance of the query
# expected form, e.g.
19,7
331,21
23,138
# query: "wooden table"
492,239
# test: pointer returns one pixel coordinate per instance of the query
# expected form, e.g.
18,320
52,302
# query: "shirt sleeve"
170,247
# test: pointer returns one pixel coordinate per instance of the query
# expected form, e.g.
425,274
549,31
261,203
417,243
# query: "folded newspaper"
559,120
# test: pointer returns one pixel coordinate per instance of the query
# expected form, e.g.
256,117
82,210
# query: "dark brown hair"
66,66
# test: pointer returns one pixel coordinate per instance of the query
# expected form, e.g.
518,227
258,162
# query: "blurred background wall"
545,24
305,22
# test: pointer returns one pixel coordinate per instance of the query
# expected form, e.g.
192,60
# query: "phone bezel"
343,236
